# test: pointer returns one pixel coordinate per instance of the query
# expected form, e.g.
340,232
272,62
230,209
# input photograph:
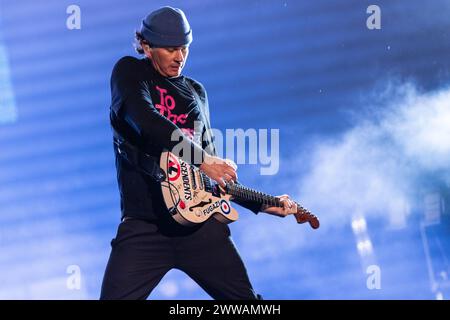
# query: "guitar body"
189,198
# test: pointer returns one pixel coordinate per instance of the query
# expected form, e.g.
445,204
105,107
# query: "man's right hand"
219,169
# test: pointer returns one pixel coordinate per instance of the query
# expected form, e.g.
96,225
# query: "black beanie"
167,27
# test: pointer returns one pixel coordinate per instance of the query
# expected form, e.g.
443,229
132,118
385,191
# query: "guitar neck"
244,193
241,192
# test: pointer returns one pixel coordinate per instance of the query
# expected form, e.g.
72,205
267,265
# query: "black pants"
143,252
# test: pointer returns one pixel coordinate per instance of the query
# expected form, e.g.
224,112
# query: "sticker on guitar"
173,168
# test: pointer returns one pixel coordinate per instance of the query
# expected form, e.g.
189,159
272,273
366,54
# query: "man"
151,100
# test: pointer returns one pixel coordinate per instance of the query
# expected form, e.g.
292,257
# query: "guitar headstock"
304,215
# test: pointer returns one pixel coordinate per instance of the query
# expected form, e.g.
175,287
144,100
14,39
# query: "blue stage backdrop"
363,115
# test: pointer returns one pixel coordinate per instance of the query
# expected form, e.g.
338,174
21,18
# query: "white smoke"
372,167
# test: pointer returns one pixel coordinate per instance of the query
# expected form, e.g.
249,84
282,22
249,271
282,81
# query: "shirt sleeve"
253,206
131,98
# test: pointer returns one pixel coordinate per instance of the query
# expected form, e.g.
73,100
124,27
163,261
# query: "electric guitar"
192,197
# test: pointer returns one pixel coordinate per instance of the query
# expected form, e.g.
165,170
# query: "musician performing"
175,207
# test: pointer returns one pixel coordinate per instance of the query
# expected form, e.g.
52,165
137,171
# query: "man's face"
168,61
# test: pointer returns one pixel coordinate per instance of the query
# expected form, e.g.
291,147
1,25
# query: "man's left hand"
289,207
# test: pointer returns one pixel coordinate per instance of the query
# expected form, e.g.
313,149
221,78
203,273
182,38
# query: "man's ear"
147,49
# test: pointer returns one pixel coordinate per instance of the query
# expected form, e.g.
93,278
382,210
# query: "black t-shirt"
174,100
147,108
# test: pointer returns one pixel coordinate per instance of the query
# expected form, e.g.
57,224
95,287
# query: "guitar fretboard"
244,193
